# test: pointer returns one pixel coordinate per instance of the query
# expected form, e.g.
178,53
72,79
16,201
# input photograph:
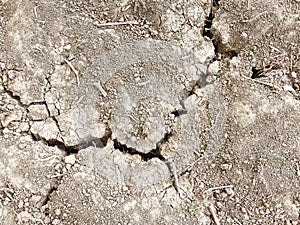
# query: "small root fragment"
118,23
237,221
7,192
254,18
173,172
74,71
98,85
217,188
214,214
262,82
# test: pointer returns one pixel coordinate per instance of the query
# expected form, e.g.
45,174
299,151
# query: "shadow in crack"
93,141
155,153
214,35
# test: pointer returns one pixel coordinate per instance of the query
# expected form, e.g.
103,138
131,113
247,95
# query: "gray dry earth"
133,111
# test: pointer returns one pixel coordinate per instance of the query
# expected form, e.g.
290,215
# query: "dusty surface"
149,112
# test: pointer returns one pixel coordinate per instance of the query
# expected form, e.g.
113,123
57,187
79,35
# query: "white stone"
24,217
56,222
57,212
70,159
288,88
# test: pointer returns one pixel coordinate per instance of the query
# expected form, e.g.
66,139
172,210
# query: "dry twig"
237,221
262,82
173,171
35,11
117,23
57,175
217,188
249,4
276,49
100,88
213,213
7,192
190,166
254,18
74,71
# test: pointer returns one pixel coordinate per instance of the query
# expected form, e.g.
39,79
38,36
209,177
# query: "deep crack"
73,149
155,153
207,25
215,37
47,197
209,19
15,97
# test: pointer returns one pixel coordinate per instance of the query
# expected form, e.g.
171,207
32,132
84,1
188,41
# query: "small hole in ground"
257,73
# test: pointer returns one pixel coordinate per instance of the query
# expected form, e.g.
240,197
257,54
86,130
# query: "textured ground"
149,112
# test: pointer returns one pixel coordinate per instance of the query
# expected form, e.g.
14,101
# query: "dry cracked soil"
149,112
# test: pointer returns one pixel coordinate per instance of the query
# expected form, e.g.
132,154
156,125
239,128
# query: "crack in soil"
215,37
73,149
52,142
96,142
208,23
48,89
102,142
154,153
47,197
16,97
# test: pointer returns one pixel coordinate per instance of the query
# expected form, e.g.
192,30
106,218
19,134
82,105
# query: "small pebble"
21,204
47,220
10,107
68,166
288,88
68,46
70,159
229,191
58,167
56,222
226,166
57,212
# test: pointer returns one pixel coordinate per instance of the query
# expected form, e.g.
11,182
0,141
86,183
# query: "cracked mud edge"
101,143
96,142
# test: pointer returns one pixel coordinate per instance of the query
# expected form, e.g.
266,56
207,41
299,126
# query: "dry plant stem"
261,82
276,49
100,88
176,180
6,191
213,213
190,166
254,18
217,188
57,175
173,171
237,221
35,12
74,71
117,23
